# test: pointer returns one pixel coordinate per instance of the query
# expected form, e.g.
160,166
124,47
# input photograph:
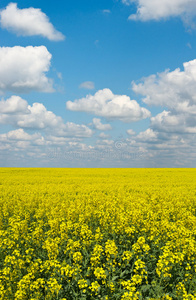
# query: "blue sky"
98,83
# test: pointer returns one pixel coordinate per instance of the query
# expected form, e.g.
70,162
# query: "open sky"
98,83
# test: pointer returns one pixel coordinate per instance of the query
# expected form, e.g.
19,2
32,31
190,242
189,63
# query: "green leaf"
123,273
145,288
114,278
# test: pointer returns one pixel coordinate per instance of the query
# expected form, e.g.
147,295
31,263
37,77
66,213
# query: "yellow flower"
82,283
94,287
77,257
100,273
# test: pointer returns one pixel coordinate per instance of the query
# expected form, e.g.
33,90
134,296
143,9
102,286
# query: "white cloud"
130,131
127,2
170,122
34,117
17,140
147,149
175,89
22,69
15,111
147,135
14,104
73,130
163,9
88,85
18,134
104,103
172,133
102,135
28,22
39,118
59,75
98,125
104,143
106,11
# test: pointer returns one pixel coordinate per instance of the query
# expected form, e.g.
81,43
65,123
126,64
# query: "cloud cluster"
131,132
98,125
19,135
147,135
170,136
163,9
103,135
88,85
15,105
28,22
175,89
104,103
168,121
15,111
22,69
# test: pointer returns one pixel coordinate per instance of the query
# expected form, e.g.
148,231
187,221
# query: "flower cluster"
71,234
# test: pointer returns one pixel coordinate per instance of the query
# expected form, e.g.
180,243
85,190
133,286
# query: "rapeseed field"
97,234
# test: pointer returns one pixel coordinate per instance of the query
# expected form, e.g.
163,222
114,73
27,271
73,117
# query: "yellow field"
97,234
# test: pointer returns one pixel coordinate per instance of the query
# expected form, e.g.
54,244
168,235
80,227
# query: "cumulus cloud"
174,89
98,125
104,103
22,69
28,22
171,122
18,140
163,9
147,136
172,132
104,142
14,104
164,148
102,135
18,135
130,131
73,130
39,118
15,111
88,85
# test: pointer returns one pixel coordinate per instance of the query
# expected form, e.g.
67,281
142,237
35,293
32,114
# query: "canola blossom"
68,234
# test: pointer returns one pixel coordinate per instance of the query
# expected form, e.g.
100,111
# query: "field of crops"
97,234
